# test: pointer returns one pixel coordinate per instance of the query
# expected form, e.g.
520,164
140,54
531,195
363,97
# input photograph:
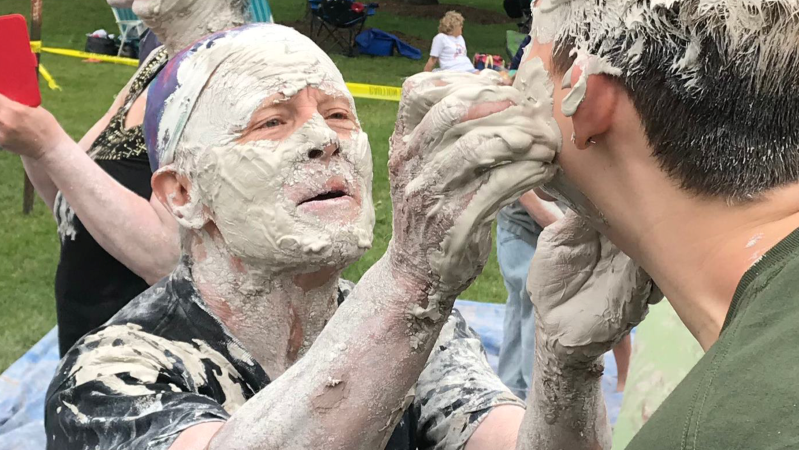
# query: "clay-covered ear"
174,191
594,116
168,188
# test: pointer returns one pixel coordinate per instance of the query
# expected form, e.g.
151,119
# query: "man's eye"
338,116
271,123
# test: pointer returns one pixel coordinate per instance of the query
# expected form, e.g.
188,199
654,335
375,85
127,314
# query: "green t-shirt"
743,394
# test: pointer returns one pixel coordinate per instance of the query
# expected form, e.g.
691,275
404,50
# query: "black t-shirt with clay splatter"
165,363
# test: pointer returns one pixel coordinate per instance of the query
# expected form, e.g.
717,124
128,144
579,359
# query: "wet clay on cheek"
531,73
243,187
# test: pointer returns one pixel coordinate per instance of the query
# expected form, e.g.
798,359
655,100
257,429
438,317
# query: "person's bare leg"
622,356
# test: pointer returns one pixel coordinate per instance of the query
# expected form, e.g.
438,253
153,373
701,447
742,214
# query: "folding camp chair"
513,41
311,6
341,21
260,11
129,25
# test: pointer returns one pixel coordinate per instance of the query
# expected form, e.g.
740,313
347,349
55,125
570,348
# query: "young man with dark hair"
679,121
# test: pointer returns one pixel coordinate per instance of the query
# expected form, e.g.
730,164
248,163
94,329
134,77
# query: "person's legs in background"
515,364
514,255
622,356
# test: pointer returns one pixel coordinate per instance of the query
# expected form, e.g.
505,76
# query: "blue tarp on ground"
377,42
24,384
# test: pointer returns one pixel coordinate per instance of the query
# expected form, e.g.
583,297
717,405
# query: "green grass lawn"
30,244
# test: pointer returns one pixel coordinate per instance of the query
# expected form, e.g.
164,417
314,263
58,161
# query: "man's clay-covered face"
275,154
295,185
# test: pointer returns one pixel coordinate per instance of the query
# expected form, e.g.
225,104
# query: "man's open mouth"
325,196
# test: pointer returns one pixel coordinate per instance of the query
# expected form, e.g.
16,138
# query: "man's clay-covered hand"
587,293
463,146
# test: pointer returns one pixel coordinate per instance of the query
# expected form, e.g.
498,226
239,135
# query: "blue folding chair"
339,18
260,11
130,26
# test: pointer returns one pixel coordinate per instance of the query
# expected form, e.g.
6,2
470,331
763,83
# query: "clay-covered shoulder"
123,387
152,310
120,358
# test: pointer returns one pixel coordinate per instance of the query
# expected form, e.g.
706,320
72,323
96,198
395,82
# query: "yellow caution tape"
51,82
36,47
83,55
375,92
358,90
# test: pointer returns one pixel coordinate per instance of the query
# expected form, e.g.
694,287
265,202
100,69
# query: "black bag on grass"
101,45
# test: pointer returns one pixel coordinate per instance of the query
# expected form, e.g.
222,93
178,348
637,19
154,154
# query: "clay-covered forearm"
126,225
352,386
565,406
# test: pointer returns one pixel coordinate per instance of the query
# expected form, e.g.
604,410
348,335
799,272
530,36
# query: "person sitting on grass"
449,50
254,341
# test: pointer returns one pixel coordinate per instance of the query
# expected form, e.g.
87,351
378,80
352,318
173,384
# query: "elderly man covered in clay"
254,342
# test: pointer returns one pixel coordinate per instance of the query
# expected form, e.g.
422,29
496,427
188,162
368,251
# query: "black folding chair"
338,23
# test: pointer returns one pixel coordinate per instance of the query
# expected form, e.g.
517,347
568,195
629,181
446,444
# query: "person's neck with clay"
182,23
276,316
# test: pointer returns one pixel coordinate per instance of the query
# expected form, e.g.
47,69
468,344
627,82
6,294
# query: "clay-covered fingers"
494,189
636,289
567,252
423,90
470,102
463,103
569,231
473,148
587,293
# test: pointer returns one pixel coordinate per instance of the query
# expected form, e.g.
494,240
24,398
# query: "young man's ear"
594,115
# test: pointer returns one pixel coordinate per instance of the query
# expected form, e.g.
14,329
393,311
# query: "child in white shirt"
449,49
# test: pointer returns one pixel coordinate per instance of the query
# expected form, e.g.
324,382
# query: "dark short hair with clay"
716,87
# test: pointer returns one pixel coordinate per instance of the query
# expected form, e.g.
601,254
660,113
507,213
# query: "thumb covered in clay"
587,294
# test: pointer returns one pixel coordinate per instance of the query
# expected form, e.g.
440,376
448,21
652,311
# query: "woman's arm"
137,232
38,175
431,63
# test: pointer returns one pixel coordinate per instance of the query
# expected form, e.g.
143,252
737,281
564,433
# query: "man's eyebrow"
340,100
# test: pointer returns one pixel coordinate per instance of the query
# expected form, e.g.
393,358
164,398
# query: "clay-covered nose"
327,152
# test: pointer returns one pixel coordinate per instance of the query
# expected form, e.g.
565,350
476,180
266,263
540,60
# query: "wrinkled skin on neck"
276,317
